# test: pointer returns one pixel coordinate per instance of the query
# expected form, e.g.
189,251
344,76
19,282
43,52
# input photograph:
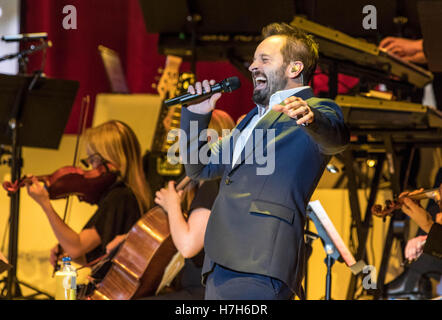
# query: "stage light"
371,163
332,168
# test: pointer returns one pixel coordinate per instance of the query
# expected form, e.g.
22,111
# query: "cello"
144,259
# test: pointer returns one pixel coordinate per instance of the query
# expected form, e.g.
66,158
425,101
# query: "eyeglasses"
93,158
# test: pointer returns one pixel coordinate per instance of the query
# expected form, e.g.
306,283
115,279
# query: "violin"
391,206
87,185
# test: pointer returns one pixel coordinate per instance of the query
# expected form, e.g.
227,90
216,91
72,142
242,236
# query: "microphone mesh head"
232,83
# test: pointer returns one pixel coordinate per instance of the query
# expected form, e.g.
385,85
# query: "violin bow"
82,125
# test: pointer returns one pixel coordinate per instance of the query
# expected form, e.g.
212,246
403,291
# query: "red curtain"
117,24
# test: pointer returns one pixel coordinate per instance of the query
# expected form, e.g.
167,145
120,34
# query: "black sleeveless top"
117,212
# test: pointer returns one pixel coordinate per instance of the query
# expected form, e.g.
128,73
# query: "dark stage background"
119,25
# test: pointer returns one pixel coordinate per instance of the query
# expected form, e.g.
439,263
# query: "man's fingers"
384,42
305,119
214,99
294,113
393,45
278,108
297,109
199,88
191,90
206,86
291,99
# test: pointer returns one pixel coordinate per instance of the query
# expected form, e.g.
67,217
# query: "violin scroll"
388,210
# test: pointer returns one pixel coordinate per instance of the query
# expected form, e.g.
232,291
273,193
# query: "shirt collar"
280,96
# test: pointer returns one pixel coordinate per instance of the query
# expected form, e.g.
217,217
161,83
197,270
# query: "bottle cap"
66,259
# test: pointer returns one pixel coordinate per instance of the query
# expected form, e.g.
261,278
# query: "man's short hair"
299,46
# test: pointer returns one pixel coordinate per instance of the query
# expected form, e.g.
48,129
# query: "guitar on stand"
156,164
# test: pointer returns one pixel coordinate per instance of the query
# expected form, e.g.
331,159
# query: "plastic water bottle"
66,281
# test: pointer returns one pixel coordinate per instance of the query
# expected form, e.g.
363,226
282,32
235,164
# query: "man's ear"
295,69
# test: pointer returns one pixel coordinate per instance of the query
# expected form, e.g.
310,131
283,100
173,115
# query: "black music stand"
334,246
33,112
4,264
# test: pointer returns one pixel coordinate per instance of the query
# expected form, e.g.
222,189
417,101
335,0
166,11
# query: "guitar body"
139,265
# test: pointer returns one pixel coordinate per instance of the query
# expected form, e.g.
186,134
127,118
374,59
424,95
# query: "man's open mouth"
260,82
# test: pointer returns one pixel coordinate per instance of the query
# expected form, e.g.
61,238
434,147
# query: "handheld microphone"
25,37
227,85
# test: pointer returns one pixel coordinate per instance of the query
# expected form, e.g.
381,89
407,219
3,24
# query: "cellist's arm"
115,242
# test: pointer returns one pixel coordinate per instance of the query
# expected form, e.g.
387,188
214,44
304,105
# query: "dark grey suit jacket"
257,221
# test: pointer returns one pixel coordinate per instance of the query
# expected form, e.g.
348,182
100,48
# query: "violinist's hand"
408,193
414,247
439,218
115,242
54,255
297,109
38,192
417,214
207,105
169,199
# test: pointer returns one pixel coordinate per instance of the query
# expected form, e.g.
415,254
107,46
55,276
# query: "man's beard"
276,81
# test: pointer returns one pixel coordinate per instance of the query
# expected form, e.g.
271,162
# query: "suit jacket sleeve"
328,129
202,161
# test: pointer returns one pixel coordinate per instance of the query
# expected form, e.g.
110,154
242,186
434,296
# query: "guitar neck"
160,143
170,117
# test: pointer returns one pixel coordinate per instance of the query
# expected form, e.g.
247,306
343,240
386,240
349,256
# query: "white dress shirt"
276,98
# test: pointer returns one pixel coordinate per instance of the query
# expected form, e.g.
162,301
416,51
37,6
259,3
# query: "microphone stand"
16,163
23,55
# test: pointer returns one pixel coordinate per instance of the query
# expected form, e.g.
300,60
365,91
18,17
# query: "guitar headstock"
168,82
171,120
185,80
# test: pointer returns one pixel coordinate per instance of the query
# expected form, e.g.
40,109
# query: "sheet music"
332,233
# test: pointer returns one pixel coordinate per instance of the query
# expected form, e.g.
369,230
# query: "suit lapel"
239,128
264,124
